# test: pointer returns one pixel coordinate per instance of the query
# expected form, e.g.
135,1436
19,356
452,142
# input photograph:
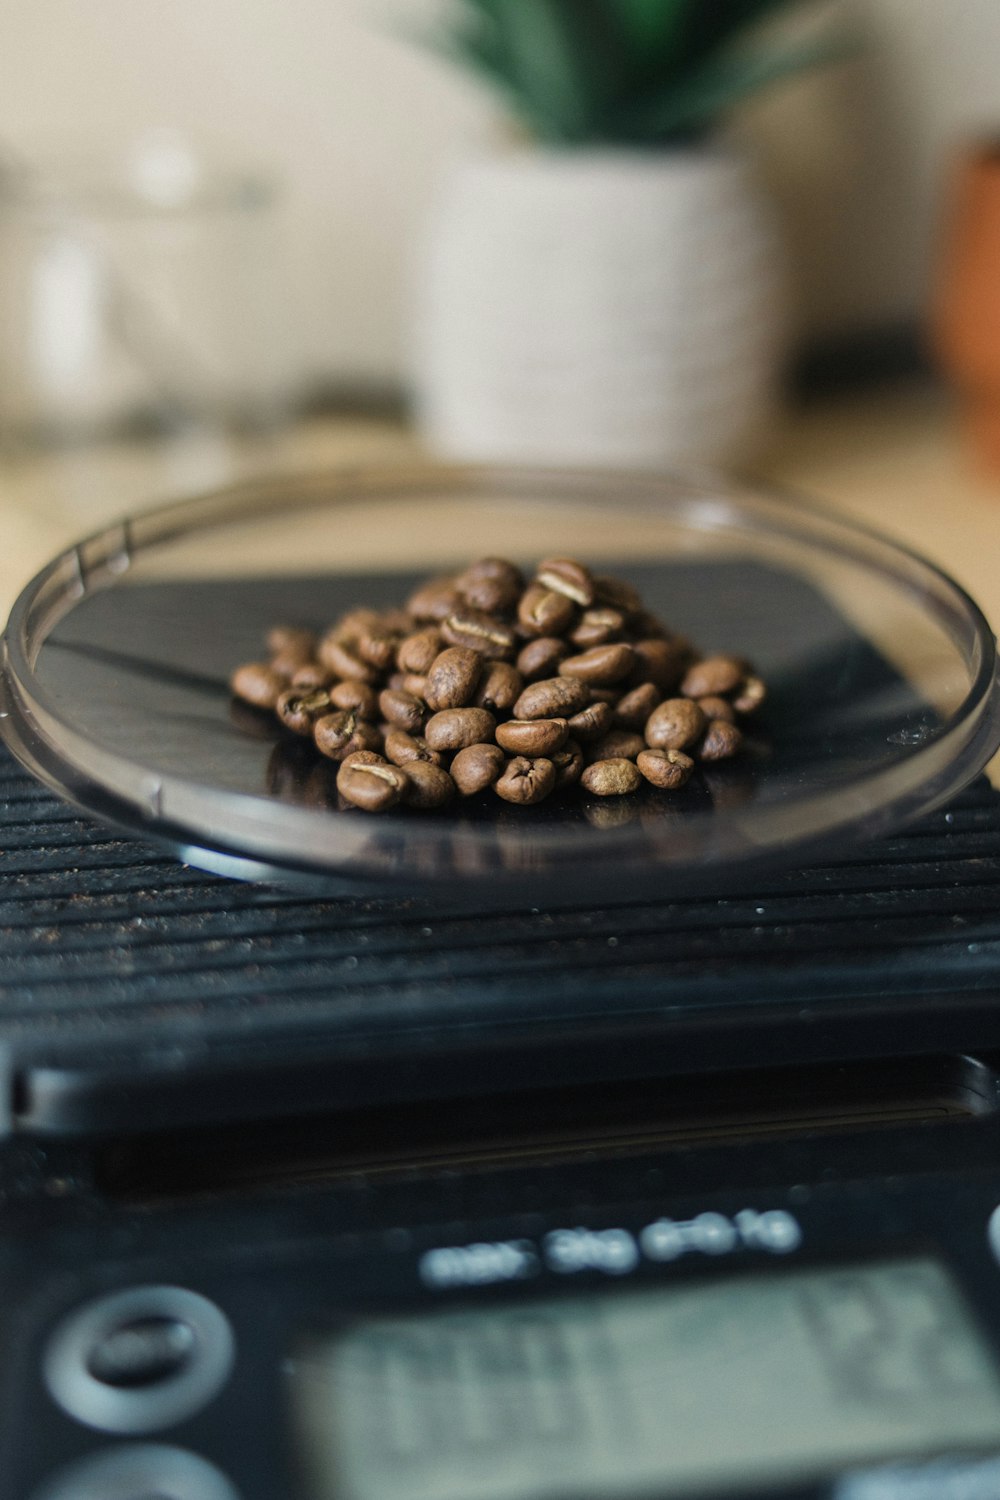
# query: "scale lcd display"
673,1391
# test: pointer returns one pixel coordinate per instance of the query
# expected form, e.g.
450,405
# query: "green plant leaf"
691,107
652,27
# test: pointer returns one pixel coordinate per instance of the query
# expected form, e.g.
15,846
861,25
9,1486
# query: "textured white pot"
599,307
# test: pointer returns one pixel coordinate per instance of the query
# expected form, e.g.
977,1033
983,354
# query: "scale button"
142,1352
139,1360
139,1471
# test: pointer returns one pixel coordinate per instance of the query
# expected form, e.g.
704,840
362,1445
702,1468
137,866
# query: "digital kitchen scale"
673,1175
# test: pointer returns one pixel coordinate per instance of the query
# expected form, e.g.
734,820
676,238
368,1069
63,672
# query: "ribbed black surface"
99,932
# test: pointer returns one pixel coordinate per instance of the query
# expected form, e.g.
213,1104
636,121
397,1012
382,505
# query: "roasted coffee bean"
567,576
452,678
428,786
597,627
291,640
750,696
720,742
492,584
401,748
374,786
454,728
541,657
668,769
661,662
298,711
360,696
416,652
343,662
545,611
477,767
499,688
310,675
714,675
617,593
434,600
378,648
675,724
611,778
634,708
412,682
601,665
649,627
285,664
525,782
355,622
341,734
591,722
618,744
552,698
609,695
255,683
532,736
480,632
402,710
569,764
717,708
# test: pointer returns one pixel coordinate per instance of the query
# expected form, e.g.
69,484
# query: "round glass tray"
883,682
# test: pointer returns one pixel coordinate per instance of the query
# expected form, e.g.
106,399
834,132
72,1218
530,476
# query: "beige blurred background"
360,124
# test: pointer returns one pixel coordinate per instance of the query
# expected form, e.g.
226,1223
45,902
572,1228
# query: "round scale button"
139,1360
139,1471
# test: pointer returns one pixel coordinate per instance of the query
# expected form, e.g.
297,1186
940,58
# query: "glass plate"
884,693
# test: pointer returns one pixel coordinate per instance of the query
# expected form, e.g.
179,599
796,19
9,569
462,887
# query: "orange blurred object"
965,310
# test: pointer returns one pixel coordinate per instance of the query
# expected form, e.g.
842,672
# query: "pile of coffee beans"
490,680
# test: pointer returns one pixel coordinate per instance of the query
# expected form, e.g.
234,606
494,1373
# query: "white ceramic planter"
604,307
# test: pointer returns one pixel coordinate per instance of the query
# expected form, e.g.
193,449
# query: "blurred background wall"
360,124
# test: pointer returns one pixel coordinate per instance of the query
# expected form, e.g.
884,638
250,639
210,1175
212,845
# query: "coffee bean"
668,769
377,647
720,742
618,744
341,734
477,767
601,665
545,611
525,782
611,778
566,576
591,722
412,683
569,765
360,696
492,584
750,696
634,708
487,634
370,785
402,710
454,728
299,711
617,593
597,627
661,662
255,683
434,600
532,737
291,640
309,676
609,695
428,786
541,657
452,678
342,662
285,664
552,698
416,652
675,724
355,622
499,688
714,675
718,708
401,748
